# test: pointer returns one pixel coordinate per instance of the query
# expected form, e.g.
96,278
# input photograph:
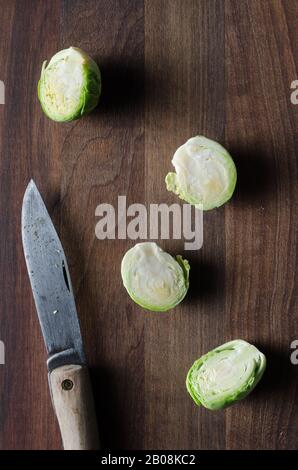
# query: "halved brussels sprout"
205,173
69,86
225,375
154,279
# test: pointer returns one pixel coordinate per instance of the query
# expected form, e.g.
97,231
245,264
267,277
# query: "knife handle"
74,406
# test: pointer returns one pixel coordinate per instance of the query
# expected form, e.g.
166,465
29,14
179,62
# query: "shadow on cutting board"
280,376
125,88
122,87
109,403
109,407
207,280
256,174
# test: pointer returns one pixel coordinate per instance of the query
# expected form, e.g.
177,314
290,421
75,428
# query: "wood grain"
171,69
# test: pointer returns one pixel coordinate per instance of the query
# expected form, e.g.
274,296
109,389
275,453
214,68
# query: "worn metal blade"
50,283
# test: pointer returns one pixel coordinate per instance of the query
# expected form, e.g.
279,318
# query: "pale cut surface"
205,173
153,278
63,81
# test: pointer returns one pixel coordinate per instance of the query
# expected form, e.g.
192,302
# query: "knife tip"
31,188
31,184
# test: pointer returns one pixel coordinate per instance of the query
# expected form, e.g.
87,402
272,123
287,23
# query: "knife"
54,300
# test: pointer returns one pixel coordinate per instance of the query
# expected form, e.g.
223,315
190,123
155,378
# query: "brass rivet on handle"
67,384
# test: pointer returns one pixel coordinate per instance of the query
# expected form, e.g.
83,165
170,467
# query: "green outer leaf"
225,399
90,92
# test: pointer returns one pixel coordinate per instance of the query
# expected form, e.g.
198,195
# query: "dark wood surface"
171,69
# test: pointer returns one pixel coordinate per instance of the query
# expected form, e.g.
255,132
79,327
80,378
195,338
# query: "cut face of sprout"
225,375
153,278
205,173
70,85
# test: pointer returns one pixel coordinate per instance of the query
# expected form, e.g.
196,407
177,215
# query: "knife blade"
54,300
50,283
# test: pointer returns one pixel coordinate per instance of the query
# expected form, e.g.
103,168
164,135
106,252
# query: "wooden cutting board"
171,69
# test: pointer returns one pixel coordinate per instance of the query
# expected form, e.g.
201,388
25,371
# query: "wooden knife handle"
74,406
